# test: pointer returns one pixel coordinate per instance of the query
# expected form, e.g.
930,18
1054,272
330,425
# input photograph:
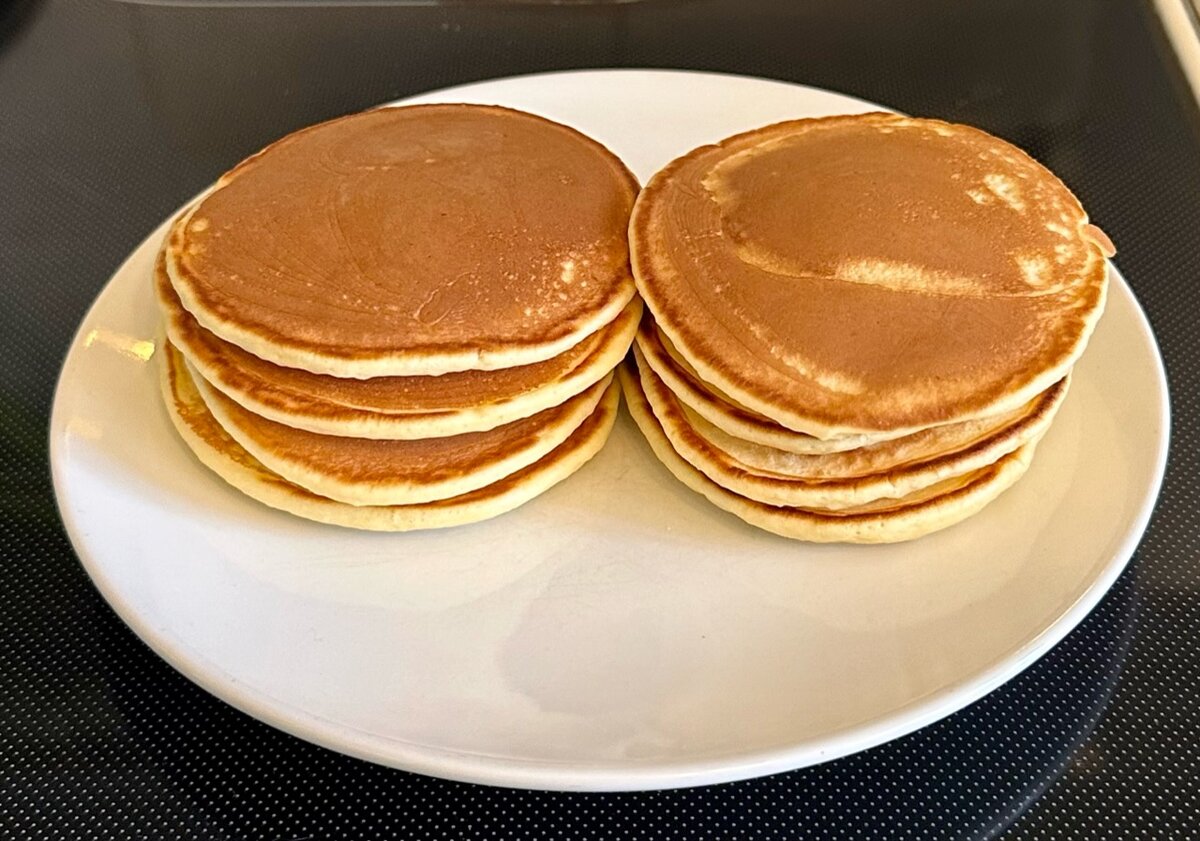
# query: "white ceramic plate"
619,632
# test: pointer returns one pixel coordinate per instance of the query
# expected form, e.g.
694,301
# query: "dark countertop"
112,114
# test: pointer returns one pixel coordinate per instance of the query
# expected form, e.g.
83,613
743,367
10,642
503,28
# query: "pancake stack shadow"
858,328
407,318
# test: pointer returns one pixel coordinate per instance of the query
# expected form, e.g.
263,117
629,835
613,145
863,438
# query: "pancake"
836,493
864,461
932,443
869,273
724,413
360,471
220,453
394,407
406,241
890,521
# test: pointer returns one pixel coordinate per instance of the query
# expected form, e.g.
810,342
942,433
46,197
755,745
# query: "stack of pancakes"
406,318
858,328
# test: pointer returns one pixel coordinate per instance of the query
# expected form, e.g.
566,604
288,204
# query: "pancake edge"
355,422
797,524
405,492
540,477
832,494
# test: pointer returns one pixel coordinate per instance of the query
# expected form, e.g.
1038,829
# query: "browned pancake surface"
433,228
419,462
869,273
296,390
187,405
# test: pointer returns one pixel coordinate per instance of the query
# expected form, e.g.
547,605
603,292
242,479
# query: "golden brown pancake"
869,273
224,456
411,241
761,445
360,471
393,407
886,521
935,442
834,493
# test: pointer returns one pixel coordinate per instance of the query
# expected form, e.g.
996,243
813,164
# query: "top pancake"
411,241
869,273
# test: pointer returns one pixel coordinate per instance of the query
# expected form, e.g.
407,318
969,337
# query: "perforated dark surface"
112,114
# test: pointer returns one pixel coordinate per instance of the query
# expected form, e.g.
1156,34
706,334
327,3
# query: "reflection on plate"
618,632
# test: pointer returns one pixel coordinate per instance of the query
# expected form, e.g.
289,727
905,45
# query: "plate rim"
514,772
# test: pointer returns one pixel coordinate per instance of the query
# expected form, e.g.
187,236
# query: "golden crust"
896,521
868,273
361,471
417,240
220,453
897,483
393,407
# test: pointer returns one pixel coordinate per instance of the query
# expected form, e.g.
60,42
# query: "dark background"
112,114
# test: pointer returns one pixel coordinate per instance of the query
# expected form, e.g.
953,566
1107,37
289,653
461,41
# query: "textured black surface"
112,114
